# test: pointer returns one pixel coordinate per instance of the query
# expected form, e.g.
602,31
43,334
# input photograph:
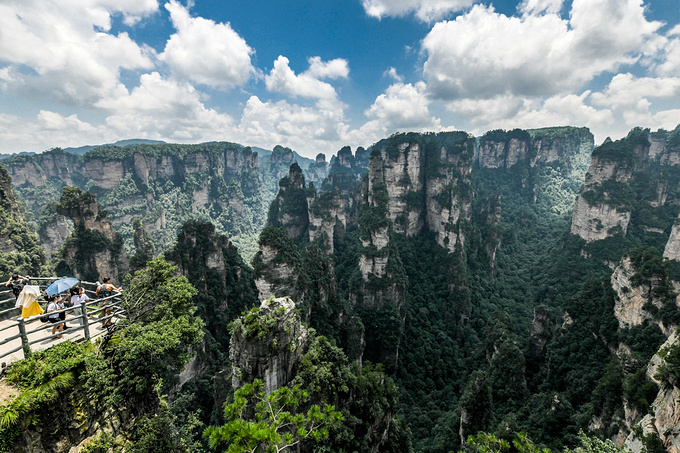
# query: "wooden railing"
14,327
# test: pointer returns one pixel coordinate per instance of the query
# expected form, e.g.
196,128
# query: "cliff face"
500,149
94,250
317,170
663,418
20,249
614,194
267,343
163,185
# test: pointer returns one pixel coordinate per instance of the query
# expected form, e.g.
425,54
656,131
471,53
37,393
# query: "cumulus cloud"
626,90
206,52
540,6
393,74
425,10
484,54
164,109
333,69
404,107
62,51
48,130
282,79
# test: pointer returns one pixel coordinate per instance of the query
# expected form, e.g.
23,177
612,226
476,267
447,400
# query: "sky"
317,75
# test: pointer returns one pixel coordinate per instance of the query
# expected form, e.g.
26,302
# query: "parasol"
61,285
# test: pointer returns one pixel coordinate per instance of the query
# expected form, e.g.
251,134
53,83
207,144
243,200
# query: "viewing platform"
20,335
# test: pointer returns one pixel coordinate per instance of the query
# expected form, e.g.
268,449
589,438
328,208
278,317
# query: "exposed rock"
672,249
276,264
663,419
289,210
96,250
629,307
540,332
267,343
327,218
599,221
53,233
317,170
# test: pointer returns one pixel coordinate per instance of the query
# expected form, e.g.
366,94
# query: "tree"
276,425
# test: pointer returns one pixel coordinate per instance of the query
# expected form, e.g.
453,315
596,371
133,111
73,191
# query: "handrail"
82,314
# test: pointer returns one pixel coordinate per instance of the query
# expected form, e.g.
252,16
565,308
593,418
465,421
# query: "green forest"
436,293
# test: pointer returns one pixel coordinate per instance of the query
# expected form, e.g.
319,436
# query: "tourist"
17,283
56,303
78,296
105,290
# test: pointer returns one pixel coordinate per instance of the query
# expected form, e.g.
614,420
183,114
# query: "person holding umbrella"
56,303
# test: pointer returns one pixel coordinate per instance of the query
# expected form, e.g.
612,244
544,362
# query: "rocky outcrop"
317,170
663,419
163,185
594,222
94,250
276,264
612,193
267,343
504,149
672,249
629,308
540,333
19,246
289,210
327,218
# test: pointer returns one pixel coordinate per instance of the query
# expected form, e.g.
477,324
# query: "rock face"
94,250
289,209
317,170
663,419
162,185
267,343
276,264
540,332
501,149
611,195
672,249
629,309
20,247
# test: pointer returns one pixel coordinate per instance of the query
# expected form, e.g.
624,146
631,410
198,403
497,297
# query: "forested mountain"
429,288
163,185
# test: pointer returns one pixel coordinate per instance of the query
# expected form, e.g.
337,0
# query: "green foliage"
152,344
277,424
101,443
590,444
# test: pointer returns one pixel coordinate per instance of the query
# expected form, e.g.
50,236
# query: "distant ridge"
131,142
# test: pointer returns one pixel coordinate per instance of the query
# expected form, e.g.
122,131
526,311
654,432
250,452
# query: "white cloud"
626,90
206,52
282,79
483,54
164,109
393,74
333,69
540,6
425,10
48,130
62,51
308,130
404,107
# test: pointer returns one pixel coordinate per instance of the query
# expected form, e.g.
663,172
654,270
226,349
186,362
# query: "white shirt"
53,306
77,300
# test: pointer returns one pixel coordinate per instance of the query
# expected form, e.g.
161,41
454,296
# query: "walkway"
38,335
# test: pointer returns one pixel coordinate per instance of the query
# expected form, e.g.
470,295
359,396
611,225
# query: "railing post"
24,337
85,320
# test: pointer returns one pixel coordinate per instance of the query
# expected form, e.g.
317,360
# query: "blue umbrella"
61,285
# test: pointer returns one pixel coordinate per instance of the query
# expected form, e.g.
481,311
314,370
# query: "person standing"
57,303
77,299
17,283
104,290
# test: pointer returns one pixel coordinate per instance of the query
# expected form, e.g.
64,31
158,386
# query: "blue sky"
317,75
